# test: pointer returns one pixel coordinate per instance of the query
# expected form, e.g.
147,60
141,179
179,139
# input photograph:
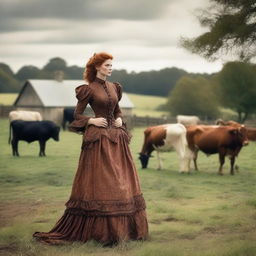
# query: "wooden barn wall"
29,98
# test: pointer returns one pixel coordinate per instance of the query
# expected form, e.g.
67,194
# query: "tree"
232,29
237,88
7,82
193,96
6,69
149,82
74,72
27,72
55,64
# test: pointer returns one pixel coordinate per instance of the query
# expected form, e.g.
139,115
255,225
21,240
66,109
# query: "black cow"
31,131
68,116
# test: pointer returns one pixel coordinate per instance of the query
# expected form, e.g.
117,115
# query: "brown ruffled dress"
106,203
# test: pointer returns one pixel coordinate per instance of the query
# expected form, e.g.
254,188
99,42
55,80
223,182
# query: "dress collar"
100,81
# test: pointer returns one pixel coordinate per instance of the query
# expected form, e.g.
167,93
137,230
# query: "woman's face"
106,68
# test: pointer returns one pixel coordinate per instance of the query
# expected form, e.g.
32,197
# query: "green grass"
200,214
147,105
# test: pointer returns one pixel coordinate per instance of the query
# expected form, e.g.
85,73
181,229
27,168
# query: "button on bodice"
107,102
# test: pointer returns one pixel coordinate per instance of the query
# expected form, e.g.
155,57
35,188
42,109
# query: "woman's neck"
100,76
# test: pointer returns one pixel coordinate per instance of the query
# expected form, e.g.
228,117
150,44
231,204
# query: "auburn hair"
95,61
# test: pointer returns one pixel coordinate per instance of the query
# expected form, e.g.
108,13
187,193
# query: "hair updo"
95,61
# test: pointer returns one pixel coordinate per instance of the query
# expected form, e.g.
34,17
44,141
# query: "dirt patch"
210,230
169,219
41,221
9,211
155,221
188,236
8,248
16,209
194,221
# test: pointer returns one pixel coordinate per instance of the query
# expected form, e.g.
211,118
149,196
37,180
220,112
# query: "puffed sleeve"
83,95
117,110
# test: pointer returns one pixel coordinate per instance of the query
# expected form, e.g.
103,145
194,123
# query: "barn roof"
53,93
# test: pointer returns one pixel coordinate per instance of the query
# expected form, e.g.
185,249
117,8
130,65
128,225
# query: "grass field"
7,98
200,214
147,105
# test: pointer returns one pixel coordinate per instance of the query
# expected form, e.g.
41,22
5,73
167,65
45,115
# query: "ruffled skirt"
106,203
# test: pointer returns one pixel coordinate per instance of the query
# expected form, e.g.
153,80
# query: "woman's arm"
117,110
83,95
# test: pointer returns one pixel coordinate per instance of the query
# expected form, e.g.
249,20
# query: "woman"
106,203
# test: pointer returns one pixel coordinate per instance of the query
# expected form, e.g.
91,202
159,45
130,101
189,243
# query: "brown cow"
251,132
227,123
195,152
219,122
224,140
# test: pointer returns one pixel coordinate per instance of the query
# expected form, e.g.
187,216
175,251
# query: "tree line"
234,87
148,82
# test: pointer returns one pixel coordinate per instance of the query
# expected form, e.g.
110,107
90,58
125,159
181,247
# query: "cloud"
14,13
147,22
159,32
143,35
76,32
126,56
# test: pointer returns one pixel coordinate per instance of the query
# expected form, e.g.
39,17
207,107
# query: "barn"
50,97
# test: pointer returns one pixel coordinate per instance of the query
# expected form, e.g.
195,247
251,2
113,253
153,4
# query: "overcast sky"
141,34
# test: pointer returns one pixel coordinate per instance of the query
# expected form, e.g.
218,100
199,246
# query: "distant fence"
4,110
138,121
145,121
132,121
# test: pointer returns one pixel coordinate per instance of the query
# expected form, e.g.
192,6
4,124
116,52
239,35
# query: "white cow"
25,115
187,120
163,138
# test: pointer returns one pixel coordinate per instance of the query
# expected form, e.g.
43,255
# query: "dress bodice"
103,97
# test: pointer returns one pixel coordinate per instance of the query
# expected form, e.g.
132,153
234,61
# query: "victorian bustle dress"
106,203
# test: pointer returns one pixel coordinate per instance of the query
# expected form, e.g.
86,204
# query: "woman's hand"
99,121
118,122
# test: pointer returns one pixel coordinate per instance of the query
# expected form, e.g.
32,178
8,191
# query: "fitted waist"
110,119
95,133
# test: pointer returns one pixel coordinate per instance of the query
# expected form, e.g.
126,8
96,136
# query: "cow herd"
186,137
224,139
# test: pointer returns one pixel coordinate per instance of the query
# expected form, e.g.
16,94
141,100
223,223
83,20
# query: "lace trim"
97,207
